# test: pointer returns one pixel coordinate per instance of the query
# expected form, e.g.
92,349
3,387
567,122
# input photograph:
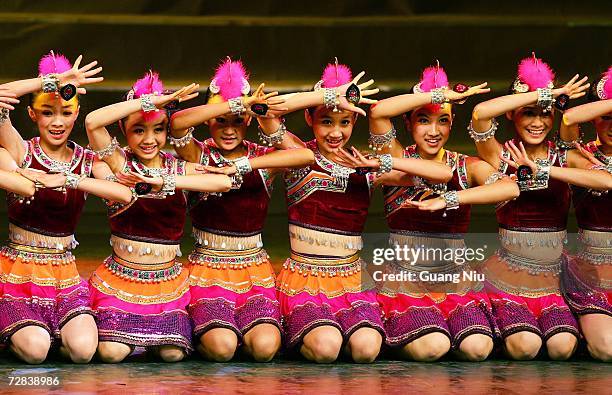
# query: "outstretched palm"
80,76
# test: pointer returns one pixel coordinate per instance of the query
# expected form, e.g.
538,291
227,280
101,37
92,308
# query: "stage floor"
293,377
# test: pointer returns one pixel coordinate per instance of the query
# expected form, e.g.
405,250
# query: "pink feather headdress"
334,75
533,73
149,84
433,77
231,80
604,86
53,63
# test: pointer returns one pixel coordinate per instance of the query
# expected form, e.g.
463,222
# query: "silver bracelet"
108,150
452,200
482,136
237,180
567,145
147,104
330,98
376,142
72,180
545,99
236,106
243,166
4,115
493,178
169,186
386,164
539,180
274,138
49,83
437,96
181,141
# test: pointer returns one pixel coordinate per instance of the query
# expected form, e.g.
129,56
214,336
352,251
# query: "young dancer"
425,320
44,301
522,278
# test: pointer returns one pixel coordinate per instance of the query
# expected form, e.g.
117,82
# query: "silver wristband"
4,115
72,180
539,180
482,136
49,83
274,138
243,166
236,106
181,141
493,178
108,150
386,164
567,145
545,99
147,104
452,200
169,186
330,98
437,96
377,142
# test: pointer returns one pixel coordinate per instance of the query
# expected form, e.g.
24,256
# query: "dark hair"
592,93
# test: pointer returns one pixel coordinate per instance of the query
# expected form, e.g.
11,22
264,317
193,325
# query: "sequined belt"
226,241
38,255
143,272
135,248
532,266
222,259
550,239
21,236
324,238
325,266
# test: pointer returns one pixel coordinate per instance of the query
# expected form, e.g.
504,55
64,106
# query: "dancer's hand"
130,179
79,76
8,98
346,105
228,170
428,205
472,90
574,88
269,99
519,156
588,155
48,180
185,93
354,159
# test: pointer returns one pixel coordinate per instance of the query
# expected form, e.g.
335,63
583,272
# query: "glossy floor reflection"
293,377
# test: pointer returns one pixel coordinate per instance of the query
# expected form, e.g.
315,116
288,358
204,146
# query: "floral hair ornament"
149,85
49,66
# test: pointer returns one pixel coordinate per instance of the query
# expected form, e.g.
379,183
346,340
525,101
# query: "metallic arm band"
169,186
147,104
181,141
493,178
562,144
484,136
376,142
545,99
236,106
243,166
4,115
49,83
452,200
539,179
330,98
437,96
386,164
72,180
274,138
108,150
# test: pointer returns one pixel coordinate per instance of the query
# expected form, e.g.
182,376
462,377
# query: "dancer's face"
332,130
54,118
531,123
603,127
431,126
228,131
146,137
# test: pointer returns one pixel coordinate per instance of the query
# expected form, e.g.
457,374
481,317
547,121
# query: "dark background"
286,44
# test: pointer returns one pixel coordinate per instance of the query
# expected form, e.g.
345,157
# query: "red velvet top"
594,208
415,220
239,212
52,213
151,218
328,197
539,210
